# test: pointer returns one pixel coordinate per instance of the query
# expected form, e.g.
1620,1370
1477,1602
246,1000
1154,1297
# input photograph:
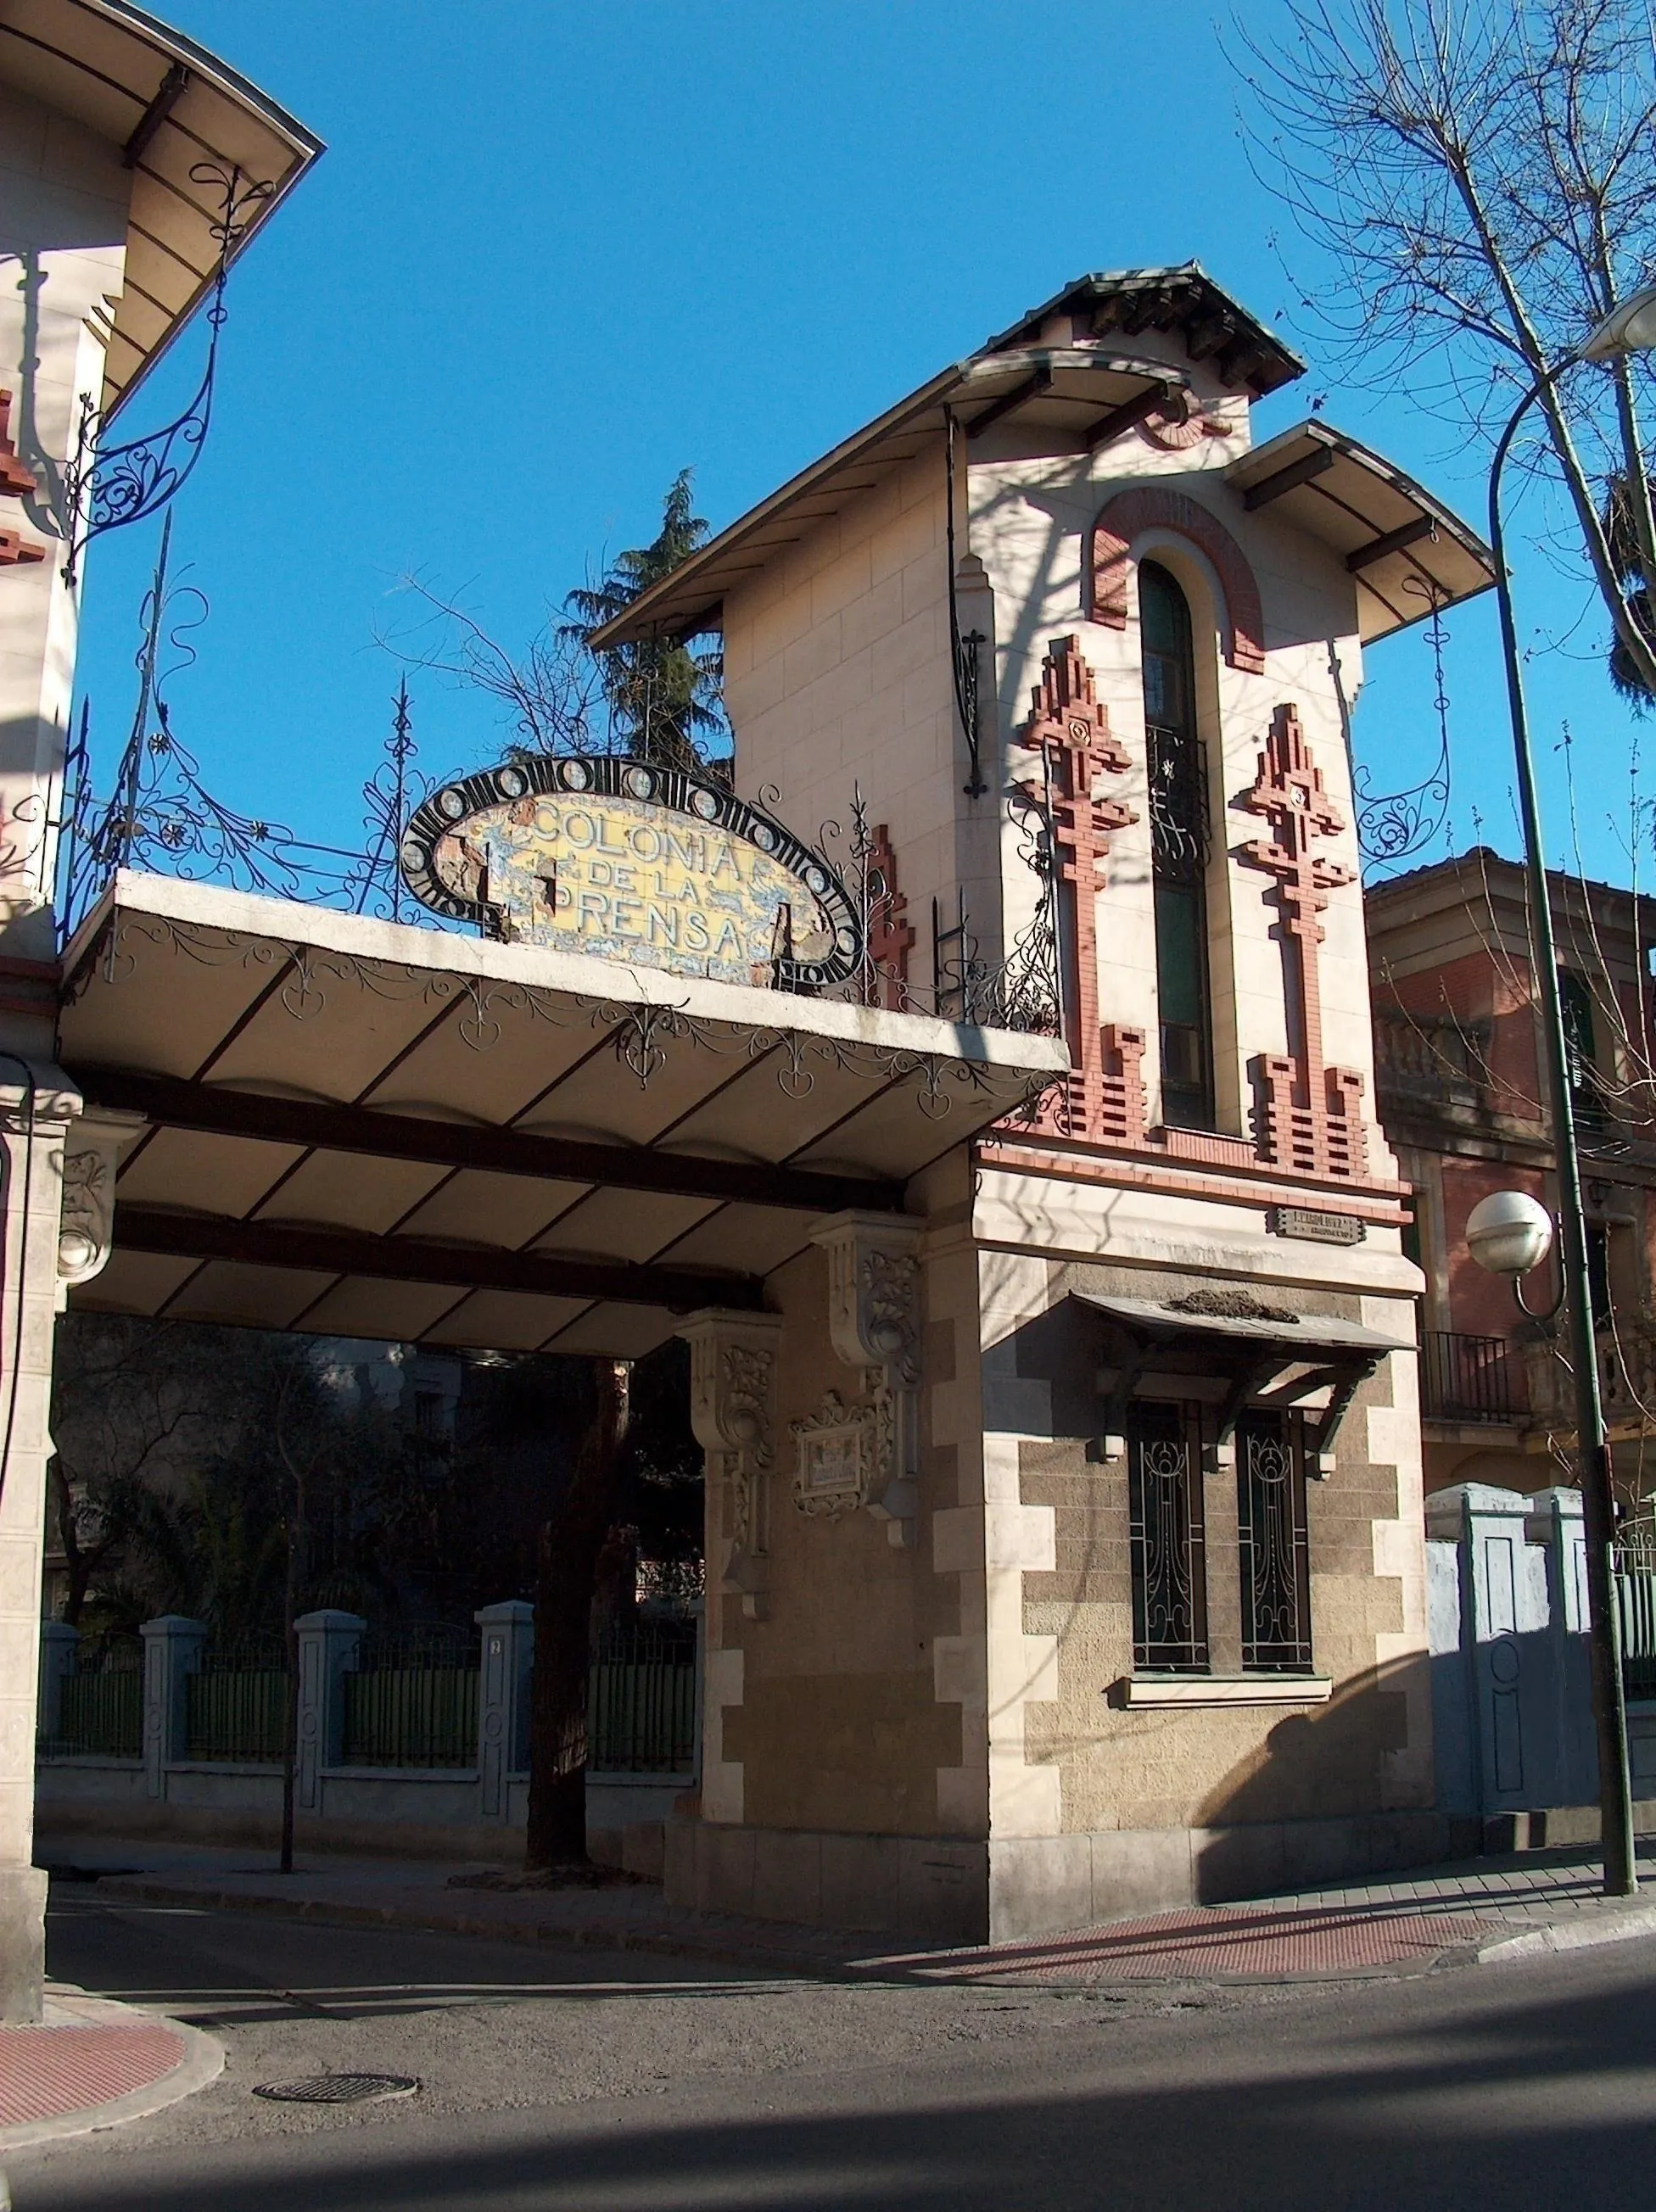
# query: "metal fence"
236,1702
100,1703
641,1700
1468,1378
413,1701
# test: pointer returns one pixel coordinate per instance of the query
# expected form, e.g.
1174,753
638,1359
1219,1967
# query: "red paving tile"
45,2072
1197,1943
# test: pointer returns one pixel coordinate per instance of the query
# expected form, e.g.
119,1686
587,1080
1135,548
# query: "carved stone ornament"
733,1396
91,1150
873,1324
837,1457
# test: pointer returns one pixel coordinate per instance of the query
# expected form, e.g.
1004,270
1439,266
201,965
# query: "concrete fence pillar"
329,1643
171,1653
505,1664
1555,1523
58,1645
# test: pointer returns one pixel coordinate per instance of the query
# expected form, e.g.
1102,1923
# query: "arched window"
1178,847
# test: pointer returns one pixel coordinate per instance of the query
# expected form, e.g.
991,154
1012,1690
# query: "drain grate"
338,2088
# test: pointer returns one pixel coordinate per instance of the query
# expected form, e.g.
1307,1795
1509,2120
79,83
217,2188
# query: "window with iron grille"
1170,1594
1179,850
1275,1553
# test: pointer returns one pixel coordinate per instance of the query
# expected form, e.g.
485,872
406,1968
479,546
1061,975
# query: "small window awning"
1080,395
364,1128
1404,548
1311,1336
1262,1356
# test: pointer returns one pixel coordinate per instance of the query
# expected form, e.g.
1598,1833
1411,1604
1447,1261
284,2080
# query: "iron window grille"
1274,1546
1169,1594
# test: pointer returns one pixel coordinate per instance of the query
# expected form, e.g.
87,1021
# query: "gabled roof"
1079,394
172,108
1082,384
1183,302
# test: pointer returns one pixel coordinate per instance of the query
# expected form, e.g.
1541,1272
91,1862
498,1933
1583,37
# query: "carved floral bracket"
733,1410
847,1455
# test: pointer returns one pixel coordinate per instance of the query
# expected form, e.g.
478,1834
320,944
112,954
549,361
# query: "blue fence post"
58,1645
503,1672
328,1644
1556,1521
171,1653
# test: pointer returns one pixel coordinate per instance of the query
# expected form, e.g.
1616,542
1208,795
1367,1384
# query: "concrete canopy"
365,1129
174,110
1406,550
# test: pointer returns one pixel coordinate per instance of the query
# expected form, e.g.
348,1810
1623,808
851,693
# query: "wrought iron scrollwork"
160,816
106,487
1178,804
1398,824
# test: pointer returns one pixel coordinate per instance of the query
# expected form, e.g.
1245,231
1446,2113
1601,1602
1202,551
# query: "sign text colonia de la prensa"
653,866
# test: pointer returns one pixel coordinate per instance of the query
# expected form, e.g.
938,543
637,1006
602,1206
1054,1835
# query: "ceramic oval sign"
608,856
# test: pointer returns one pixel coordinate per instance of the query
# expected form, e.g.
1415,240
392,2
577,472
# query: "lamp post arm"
1597,1513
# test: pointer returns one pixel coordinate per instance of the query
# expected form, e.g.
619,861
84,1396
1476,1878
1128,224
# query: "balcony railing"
1430,1055
1469,1378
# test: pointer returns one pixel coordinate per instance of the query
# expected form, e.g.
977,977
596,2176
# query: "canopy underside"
362,1129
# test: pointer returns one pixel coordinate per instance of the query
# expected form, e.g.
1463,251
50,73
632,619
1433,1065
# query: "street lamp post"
1630,328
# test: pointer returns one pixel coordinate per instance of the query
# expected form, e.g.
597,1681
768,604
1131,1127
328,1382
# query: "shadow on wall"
1325,1760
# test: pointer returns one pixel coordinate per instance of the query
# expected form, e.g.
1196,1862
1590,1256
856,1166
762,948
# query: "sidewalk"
1482,1910
91,2064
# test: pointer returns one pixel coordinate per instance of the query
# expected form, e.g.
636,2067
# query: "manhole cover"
338,2088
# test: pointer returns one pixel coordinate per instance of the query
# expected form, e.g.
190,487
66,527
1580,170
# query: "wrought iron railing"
235,1704
99,1702
1469,1378
640,1701
411,1700
158,813
1636,1602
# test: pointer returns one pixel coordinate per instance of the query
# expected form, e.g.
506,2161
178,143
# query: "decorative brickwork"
1130,514
1070,731
14,477
890,935
1310,1115
14,550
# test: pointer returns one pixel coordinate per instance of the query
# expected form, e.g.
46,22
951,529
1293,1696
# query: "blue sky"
554,254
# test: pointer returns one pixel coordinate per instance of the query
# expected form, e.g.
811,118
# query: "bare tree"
550,692
1482,175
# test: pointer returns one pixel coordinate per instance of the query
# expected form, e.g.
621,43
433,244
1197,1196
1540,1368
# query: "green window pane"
1178,954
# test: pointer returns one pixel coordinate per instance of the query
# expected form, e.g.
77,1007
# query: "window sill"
1209,1690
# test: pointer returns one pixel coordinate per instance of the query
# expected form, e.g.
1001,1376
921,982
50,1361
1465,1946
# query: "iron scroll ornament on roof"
601,854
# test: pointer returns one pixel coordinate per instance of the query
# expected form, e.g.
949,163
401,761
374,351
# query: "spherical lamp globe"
1509,1232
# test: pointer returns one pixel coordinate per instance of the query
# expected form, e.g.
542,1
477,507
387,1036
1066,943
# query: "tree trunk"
566,1573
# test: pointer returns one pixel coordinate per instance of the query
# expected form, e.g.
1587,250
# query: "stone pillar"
1503,1605
733,1406
171,1653
505,1663
58,1645
328,1644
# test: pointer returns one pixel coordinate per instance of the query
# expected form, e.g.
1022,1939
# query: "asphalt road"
600,2084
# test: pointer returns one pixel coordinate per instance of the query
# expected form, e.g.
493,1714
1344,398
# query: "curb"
203,2063
1562,1935
710,1945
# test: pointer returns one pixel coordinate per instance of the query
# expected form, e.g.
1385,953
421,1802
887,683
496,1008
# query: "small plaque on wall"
1314,1228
